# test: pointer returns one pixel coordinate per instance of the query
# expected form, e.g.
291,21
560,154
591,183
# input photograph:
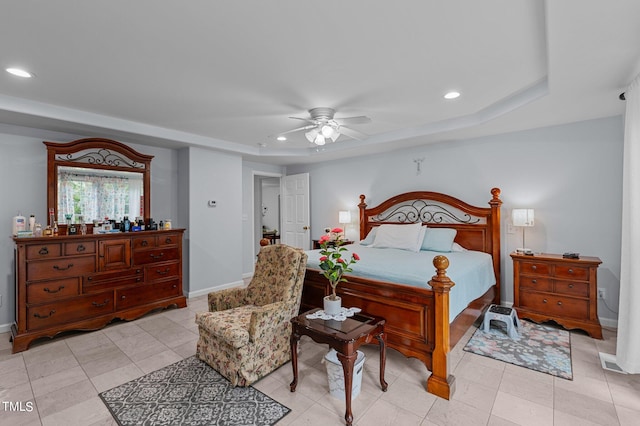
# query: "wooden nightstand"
550,287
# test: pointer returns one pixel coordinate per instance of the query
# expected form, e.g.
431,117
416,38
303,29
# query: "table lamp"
344,218
522,218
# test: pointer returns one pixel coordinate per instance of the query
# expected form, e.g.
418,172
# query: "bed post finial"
496,193
441,383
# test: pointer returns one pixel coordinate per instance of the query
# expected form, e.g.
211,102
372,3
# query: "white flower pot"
332,307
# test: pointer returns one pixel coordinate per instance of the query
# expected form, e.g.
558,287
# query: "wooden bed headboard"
478,227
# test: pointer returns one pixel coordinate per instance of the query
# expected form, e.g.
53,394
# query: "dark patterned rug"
190,392
538,347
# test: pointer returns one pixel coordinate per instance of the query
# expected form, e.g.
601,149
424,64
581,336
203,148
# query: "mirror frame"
96,153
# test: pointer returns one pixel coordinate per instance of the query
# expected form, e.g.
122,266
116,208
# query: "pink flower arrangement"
332,263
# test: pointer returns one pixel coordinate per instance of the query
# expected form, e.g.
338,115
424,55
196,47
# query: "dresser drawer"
555,305
43,251
81,247
148,293
152,256
52,314
573,288
168,240
535,283
165,270
146,242
48,291
60,268
572,272
534,268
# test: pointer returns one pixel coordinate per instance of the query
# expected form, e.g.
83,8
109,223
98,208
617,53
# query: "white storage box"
335,374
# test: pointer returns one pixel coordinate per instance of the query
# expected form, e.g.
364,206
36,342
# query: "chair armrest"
218,324
226,299
267,319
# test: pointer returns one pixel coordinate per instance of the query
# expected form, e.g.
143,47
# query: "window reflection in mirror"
94,194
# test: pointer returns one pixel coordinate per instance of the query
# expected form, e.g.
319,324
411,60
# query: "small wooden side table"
345,337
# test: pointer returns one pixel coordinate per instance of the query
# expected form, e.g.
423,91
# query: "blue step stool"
505,315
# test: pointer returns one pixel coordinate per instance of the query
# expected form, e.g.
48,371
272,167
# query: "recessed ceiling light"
19,72
281,138
451,95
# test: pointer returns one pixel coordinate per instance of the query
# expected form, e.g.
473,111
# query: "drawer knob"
534,281
100,305
534,267
43,251
138,279
48,290
544,300
168,240
175,286
559,303
62,268
570,285
123,297
37,315
144,243
570,271
81,248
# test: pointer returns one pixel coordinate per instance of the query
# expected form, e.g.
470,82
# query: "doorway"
266,211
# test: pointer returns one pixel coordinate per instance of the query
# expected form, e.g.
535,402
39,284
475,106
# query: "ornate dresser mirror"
95,178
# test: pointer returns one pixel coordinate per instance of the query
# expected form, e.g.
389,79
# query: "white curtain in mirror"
95,196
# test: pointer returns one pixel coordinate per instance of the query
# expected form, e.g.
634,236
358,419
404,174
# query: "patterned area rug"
538,347
190,392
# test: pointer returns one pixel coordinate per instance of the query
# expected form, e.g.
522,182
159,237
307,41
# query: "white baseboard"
197,293
4,328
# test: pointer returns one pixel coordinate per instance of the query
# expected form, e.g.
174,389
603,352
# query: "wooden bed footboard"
417,319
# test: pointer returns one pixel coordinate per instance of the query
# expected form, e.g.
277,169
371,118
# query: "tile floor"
60,381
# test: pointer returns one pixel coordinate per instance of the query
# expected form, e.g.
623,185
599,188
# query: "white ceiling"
229,74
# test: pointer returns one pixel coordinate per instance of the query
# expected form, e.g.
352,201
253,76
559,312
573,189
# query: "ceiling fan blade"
361,119
307,127
310,120
353,134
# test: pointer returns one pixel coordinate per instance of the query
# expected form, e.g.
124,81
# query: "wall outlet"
601,293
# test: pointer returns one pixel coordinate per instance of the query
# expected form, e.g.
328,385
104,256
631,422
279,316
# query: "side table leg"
294,359
348,361
382,342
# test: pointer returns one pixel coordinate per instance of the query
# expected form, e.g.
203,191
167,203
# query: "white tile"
521,411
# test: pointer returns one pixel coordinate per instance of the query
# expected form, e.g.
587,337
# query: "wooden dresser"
83,282
550,287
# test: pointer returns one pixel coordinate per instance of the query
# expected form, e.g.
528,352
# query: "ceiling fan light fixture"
311,135
319,140
327,131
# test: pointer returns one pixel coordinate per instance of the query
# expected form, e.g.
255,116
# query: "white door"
295,211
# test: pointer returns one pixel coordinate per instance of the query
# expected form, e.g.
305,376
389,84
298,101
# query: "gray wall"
571,175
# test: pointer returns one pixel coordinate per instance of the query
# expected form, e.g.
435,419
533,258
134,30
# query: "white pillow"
368,240
403,237
457,247
439,239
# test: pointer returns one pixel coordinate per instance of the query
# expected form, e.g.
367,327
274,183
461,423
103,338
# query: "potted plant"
333,266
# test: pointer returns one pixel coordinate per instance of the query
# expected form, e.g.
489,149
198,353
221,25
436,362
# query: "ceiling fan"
322,126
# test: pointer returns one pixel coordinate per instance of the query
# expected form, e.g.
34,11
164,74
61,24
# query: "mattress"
471,271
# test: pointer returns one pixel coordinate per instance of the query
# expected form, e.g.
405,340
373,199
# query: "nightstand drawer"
534,268
537,283
572,288
565,307
572,272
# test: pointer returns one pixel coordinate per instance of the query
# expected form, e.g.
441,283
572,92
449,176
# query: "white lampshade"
344,217
522,217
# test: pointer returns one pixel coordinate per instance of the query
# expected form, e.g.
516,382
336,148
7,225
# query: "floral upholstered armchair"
245,336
